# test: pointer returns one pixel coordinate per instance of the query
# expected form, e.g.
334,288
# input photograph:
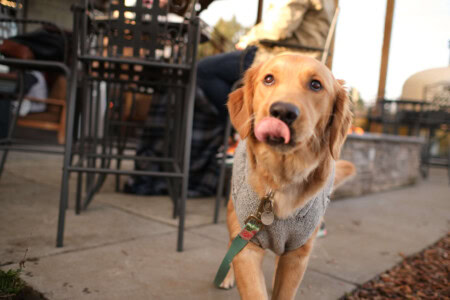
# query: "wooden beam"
385,49
259,15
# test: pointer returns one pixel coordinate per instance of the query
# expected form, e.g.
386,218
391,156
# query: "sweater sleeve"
280,21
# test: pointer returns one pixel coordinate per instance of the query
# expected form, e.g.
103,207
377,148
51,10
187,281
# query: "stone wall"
56,11
382,162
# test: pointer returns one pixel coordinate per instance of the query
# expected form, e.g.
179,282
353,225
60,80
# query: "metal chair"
134,47
419,117
268,43
16,88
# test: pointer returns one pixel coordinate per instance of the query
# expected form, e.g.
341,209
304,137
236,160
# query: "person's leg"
5,111
248,58
216,75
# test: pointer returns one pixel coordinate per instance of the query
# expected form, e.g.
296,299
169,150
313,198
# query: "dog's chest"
283,234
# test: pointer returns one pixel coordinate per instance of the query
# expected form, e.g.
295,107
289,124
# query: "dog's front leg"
290,269
248,272
246,264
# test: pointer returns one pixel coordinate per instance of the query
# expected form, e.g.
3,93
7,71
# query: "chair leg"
81,142
118,179
175,134
223,166
62,126
106,150
79,193
172,134
63,200
91,118
3,160
176,198
12,125
99,181
122,133
190,99
182,212
120,151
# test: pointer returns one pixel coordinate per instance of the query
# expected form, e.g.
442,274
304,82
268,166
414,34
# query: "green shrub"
10,283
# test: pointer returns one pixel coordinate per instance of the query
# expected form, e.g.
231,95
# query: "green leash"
252,226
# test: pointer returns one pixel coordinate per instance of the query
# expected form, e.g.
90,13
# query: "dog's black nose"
286,112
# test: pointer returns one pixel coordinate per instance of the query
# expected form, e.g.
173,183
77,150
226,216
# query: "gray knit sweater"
283,234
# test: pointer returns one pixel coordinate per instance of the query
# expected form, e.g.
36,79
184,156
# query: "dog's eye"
315,85
269,79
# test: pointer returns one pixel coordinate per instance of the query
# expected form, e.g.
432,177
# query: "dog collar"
253,224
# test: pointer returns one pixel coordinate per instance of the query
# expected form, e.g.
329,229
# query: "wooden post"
259,16
385,50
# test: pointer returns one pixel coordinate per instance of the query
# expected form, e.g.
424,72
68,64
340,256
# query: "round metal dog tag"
267,218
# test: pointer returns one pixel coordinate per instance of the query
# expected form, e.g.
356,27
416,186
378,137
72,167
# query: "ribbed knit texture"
283,234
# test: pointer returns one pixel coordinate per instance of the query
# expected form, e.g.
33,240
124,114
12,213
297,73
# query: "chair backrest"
144,29
143,43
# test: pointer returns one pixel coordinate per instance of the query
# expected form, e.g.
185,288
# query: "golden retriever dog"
293,117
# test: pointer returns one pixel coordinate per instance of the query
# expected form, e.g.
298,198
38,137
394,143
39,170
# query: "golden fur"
295,171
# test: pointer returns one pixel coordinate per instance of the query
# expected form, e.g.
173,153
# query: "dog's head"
291,102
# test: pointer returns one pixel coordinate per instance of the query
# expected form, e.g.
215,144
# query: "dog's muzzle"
284,111
274,130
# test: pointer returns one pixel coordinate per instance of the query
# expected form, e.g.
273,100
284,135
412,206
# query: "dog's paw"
228,282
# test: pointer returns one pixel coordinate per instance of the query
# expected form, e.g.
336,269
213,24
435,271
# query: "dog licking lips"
272,129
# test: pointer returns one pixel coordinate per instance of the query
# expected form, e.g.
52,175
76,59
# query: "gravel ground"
425,275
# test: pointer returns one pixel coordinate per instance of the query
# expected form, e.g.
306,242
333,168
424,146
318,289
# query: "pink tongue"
273,128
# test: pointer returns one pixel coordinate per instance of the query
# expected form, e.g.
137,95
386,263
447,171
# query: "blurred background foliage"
224,35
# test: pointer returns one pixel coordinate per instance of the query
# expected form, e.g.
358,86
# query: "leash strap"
251,228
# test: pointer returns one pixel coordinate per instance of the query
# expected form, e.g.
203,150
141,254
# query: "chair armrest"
58,102
9,76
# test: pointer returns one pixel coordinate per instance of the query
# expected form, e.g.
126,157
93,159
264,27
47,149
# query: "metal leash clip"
267,215
264,215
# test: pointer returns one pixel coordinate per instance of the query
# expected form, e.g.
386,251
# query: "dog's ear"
341,120
239,115
240,104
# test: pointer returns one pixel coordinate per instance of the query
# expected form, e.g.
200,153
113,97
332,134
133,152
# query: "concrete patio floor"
123,246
